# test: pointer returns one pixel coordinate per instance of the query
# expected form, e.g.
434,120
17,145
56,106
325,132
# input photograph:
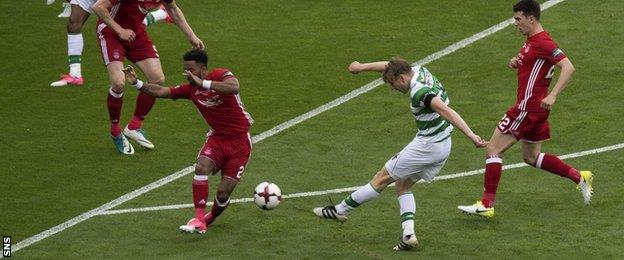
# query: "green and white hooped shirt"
431,125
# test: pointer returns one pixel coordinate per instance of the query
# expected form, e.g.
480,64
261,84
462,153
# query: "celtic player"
423,157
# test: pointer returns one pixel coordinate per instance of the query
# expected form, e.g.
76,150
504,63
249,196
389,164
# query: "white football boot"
122,144
407,243
477,209
66,11
330,212
586,186
138,135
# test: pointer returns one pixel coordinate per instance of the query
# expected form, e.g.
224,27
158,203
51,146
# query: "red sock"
553,164
135,123
144,104
115,102
200,195
493,171
217,209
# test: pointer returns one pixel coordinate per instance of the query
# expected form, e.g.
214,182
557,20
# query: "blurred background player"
527,120
78,12
423,157
228,144
122,34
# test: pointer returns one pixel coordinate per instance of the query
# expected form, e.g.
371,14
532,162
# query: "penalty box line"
279,128
350,189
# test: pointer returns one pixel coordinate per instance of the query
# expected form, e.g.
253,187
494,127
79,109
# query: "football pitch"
319,133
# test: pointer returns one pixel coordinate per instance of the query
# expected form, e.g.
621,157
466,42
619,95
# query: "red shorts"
526,126
229,155
115,49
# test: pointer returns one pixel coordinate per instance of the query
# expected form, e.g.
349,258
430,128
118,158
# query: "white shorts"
84,4
419,159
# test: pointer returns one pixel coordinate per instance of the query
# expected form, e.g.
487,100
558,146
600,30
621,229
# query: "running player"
423,157
527,120
122,34
228,144
79,12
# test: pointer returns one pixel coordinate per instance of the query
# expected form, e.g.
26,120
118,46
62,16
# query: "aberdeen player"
122,34
527,120
80,11
228,145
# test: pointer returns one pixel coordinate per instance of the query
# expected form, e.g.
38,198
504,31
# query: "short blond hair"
395,68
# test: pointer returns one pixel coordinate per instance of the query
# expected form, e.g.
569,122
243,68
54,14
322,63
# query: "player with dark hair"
228,144
423,157
527,120
122,34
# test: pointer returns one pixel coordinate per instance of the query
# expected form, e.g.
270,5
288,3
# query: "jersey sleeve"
221,74
181,91
550,51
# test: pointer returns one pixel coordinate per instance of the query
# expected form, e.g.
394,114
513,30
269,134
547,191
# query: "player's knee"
74,27
158,80
117,86
530,159
201,169
223,195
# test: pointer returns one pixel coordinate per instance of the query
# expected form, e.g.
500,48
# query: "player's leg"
156,16
203,168
222,199
498,144
75,45
238,152
551,163
407,207
152,69
115,102
366,193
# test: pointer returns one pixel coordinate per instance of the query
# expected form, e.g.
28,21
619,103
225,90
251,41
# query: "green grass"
290,58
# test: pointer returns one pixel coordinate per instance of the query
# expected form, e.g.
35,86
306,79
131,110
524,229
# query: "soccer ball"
267,195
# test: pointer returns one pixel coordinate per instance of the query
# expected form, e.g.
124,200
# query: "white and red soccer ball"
267,195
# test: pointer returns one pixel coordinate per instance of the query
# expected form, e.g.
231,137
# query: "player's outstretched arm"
102,9
567,69
456,120
228,86
178,18
357,67
154,90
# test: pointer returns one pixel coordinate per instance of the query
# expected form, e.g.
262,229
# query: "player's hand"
513,63
478,142
548,102
131,77
126,35
194,80
197,43
355,67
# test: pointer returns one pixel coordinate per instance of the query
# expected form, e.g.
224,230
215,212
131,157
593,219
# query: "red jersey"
129,14
536,66
224,113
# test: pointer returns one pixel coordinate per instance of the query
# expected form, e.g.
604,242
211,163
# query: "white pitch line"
349,189
281,127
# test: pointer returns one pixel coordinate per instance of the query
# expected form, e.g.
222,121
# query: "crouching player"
228,144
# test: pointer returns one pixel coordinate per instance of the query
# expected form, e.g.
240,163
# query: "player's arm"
153,90
227,86
102,9
178,18
453,117
357,67
567,69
